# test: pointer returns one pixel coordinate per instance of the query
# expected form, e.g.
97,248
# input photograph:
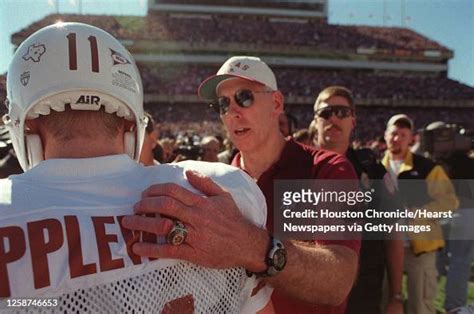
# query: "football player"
75,115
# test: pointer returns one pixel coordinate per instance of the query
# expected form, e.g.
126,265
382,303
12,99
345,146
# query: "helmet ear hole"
129,144
34,149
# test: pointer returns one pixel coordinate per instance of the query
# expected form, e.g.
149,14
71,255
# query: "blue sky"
449,22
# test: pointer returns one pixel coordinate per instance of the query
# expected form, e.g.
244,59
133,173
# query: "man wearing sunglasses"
244,92
308,277
335,120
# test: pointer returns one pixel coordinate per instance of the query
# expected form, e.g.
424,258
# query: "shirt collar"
407,164
57,168
287,157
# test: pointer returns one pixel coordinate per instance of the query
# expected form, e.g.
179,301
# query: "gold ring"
178,234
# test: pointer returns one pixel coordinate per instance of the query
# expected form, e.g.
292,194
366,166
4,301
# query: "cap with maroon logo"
249,68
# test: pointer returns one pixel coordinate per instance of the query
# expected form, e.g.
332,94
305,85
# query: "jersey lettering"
62,235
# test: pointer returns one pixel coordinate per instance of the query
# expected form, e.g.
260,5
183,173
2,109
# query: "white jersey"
60,236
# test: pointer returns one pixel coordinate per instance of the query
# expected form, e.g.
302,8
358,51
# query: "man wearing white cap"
245,93
310,277
425,185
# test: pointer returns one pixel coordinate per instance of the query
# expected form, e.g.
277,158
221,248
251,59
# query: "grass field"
439,302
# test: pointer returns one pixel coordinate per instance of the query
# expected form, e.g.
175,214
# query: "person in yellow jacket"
423,185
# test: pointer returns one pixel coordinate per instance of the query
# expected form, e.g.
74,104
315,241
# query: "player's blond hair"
71,124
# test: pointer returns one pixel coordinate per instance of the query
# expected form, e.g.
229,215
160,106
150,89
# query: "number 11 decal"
71,37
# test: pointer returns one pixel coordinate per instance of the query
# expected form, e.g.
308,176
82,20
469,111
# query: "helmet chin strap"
129,144
34,149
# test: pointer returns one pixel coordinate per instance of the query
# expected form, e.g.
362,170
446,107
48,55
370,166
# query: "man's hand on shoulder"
219,236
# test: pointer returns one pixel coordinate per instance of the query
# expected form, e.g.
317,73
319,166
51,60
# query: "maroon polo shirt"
298,161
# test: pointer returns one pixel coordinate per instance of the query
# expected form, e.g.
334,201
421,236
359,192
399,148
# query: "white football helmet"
75,64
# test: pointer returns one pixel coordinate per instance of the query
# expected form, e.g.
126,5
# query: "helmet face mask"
77,65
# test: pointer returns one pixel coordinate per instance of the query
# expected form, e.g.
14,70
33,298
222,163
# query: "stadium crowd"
177,118
180,118
184,79
220,28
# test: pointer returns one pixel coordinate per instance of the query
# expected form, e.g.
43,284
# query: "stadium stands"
2,94
184,79
223,28
170,88
178,119
258,4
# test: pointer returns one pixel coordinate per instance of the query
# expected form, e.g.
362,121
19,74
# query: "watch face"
279,259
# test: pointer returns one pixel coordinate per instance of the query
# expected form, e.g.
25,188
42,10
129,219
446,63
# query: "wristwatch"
276,259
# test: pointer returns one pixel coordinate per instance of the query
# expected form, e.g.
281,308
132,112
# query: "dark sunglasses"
340,111
243,97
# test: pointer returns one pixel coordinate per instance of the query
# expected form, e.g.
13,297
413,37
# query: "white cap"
248,68
435,125
400,117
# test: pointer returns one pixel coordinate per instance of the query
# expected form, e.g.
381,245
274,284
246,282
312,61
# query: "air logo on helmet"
25,78
88,100
118,58
35,51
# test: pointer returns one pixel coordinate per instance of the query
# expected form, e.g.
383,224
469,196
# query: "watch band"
276,251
